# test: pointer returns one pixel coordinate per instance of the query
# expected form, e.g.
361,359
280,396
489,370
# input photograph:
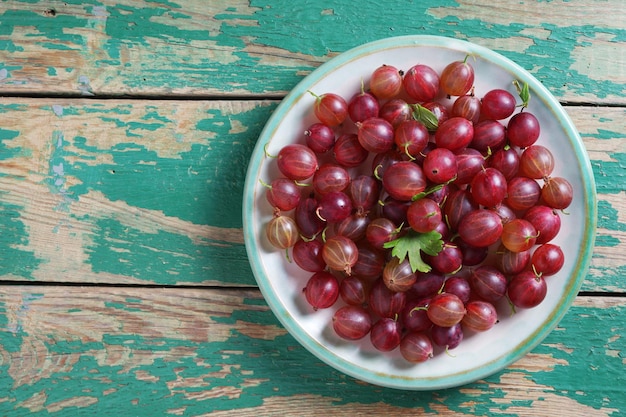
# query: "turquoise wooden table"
125,132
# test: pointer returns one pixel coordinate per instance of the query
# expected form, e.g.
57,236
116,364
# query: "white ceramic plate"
478,355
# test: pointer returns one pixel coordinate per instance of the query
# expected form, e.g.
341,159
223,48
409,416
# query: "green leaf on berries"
425,116
523,91
412,244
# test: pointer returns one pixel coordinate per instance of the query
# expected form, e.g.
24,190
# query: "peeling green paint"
590,360
7,135
56,46
121,306
280,367
162,257
608,217
141,178
15,258
615,168
550,54
56,29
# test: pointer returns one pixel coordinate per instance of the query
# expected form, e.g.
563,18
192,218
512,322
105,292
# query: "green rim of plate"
571,289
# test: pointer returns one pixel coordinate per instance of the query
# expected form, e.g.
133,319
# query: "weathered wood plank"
249,48
195,351
124,191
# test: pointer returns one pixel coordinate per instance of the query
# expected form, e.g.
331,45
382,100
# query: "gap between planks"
221,97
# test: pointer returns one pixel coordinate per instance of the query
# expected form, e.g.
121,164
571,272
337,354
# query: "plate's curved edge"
584,258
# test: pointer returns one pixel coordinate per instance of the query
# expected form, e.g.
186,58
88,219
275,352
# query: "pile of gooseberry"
417,206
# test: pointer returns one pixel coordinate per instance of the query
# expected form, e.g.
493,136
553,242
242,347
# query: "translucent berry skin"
364,192
283,194
414,317
411,137
468,107
454,134
440,111
536,161
497,104
334,206
370,262
398,276
353,227
458,286
307,254
424,215
523,129
380,231
440,165
322,290
297,162
427,285
481,316
546,220
340,253
527,289
385,302
282,232
448,337
557,193
376,135
416,347
511,263
523,193
468,162
489,187
548,259
403,180
386,82
421,83
348,152
386,334
319,137
488,283
330,177
330,109
352,322
506,161
458,204
362,106
518,235
445,310
395,111
448,260
489,136
353,291
306,217
457,78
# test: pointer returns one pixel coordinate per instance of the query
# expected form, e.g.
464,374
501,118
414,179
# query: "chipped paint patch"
598,60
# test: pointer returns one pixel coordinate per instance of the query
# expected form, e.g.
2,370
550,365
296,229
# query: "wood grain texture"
125,130
125,191
201,351
263,48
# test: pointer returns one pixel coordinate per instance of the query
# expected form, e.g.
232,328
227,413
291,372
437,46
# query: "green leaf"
425,116
412,244
523,91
